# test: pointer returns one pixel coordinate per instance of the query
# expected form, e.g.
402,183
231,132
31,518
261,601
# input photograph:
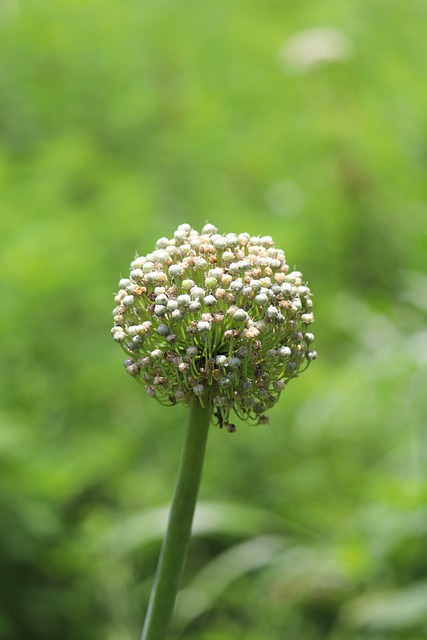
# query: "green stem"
175,544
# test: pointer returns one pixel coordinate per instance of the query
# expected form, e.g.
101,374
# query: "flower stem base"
175,544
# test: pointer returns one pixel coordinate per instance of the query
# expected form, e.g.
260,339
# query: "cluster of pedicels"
214,317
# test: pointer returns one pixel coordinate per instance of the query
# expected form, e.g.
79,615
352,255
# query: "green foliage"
119,121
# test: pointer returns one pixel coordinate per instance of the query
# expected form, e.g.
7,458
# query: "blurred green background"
119,121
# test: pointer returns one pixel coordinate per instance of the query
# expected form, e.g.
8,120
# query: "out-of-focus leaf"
230,565
391,610
211,518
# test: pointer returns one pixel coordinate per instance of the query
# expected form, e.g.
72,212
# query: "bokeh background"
303,120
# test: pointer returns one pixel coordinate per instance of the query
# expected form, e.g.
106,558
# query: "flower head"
220,318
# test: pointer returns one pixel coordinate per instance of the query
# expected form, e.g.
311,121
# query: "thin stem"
175,544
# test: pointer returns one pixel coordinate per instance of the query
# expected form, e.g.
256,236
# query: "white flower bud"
267,241
163,255
233,268
272,312
172,250
251,333
148,266
261,299
180,235
184,227
219,243
132,288
227,256
185,249
201,264
211,282
286,289
209,229
155,277
240,315
215,273
307,318
162,243
159,310
128,301
183,300
163,330
209,301
137,274
172,304
161,299
232,240
203,326
197,293
118,334
255,285
157,354
175,270
243,265
138,263
187,284
296,304
279,385
236,285
133,330
198,390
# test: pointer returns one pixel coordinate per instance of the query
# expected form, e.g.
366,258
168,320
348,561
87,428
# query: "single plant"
220,324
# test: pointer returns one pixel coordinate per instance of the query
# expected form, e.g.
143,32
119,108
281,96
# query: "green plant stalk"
175,544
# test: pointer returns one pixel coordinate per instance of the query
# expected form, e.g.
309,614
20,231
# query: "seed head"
216,319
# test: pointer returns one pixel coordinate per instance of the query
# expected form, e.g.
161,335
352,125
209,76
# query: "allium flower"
220,318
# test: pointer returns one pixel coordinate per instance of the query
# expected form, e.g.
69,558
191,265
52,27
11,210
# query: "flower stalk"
219,323
175,544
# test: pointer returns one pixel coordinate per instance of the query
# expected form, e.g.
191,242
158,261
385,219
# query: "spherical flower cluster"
216,318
